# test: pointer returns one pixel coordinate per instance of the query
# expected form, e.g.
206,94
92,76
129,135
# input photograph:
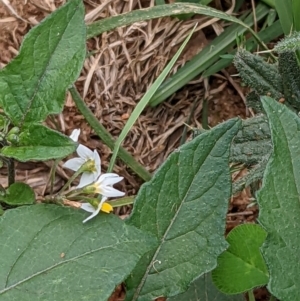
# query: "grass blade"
106,137
285,13
208,56
266,35
144,102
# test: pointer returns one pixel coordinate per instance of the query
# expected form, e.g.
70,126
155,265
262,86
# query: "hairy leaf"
34,84
253,101
18,194
241,267
278,201
38,142
203,289
264,78
289,69
254,174
184,205
252,142
289,44
48,254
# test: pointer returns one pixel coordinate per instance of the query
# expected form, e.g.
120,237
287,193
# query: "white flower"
104,187
75,134
85,154
104,184
105,207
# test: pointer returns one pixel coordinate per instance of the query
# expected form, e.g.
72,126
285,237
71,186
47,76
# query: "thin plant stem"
52,175
74,176
11,171
251,295
205,114
106,137
185,129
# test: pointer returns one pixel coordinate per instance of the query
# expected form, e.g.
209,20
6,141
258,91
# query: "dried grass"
125,62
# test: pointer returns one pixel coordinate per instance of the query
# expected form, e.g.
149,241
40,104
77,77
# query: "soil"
113,91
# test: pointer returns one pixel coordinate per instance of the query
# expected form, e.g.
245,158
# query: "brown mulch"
125,63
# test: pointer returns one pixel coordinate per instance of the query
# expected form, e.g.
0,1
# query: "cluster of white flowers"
92,179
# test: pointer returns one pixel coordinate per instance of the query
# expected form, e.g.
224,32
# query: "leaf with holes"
184,205
34,84
48,254
278,202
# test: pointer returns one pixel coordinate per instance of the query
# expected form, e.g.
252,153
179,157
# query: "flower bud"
13,139
90,189
15,130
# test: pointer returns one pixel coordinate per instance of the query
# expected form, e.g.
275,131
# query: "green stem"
106,137
127,200
251,295
75,175
11,171
205,114
52,175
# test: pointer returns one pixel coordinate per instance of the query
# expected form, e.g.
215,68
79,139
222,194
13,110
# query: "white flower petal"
97,161
75,134
109,179
86,179
110,192
84,152
87,207
93,214
74,163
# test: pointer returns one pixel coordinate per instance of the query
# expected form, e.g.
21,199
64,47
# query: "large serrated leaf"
279,203
38,142
184,205
48,254
34,84
203,289
264,78
241,267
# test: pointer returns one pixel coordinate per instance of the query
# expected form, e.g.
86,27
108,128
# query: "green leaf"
241,267
289,43
184,205
264,78
48,254
207,56
159,11
266,35
285,13
203,289
38,142
252,142
290,72
255,174
34,84
18,194
278,201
